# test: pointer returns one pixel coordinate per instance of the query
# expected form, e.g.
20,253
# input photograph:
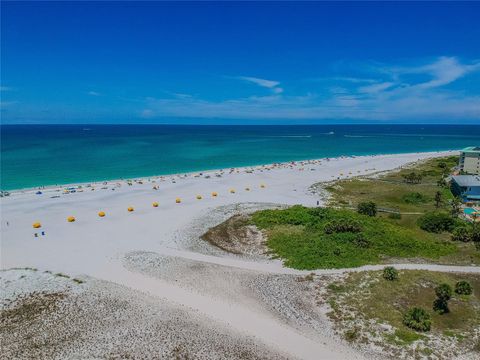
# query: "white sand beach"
154,253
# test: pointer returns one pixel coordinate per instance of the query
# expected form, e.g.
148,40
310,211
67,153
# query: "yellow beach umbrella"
262,186
71,218
214,194
247,189
37,225
178,200
155,204
101,213
199,197
232,191
130,209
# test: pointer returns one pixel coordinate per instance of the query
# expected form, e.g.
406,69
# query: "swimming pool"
469,211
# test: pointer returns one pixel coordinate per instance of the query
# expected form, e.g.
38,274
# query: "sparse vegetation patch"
397,316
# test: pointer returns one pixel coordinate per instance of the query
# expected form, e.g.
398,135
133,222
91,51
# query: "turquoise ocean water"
35,155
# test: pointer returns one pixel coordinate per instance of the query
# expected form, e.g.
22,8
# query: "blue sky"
159,62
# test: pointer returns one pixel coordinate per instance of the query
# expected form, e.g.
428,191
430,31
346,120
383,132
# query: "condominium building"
470,160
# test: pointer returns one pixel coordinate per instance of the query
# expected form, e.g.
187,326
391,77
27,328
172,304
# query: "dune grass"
390,191
372,298
298,236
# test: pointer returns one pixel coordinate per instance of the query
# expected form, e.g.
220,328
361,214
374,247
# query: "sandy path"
276,267
243,319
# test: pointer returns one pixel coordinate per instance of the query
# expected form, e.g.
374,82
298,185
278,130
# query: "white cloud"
443,71
269,84
401,97
375,88
5,88
380,92
260,82
343,79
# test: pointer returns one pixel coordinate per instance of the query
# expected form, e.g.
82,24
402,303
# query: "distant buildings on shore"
467,185
469,162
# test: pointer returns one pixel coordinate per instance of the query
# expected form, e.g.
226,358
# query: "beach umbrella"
37,225
178,200
101,213
199,197
155,204
71,218
232,191
247,189
214,194
262,186
130,209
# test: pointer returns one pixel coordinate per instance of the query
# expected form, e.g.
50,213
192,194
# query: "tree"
438,199
436,222
442,182
442,165
475,235
412,178
455,206
417,319
390,273
461,234
367,208
444,293
463,288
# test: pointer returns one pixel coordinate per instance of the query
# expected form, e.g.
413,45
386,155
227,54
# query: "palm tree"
455,205
438,199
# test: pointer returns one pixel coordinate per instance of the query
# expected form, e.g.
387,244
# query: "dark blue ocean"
34,155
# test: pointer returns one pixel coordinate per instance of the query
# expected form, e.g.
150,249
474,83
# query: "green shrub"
436,222
463,288
444,291
417,319
441,306
361,241
412,178
367,208
297,235
414,198
461,234
442,165
475,236
390,273
295,215
342,226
